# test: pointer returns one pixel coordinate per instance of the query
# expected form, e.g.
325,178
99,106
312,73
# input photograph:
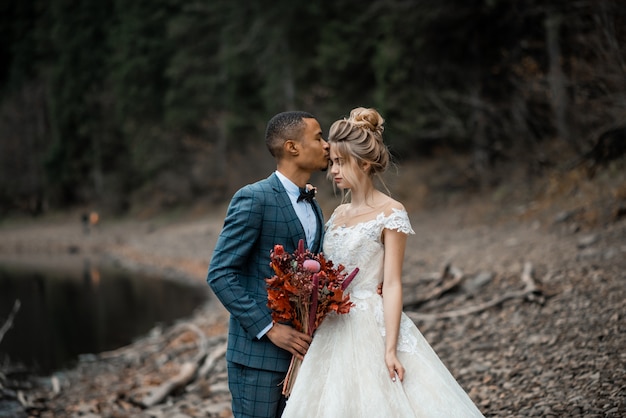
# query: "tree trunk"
556,79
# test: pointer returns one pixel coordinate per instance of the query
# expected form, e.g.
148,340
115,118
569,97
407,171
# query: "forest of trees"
111,101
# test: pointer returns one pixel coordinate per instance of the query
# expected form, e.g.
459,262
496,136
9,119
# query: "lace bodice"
344,373
360,246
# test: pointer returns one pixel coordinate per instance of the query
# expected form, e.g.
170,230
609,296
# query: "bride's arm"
395,243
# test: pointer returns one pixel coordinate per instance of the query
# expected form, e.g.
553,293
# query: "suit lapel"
289,214
319,235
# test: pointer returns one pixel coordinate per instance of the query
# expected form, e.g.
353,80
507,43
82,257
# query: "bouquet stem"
292,373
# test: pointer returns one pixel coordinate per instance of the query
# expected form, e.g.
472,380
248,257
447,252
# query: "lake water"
64,315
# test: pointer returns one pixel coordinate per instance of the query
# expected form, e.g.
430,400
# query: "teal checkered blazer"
259,216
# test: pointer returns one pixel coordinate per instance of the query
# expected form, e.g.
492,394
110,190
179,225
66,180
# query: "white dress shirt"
303,209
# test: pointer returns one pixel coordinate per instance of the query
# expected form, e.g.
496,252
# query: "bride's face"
342,169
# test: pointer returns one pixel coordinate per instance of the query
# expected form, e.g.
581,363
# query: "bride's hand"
394,366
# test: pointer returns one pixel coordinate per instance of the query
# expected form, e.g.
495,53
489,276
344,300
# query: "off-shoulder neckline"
378,218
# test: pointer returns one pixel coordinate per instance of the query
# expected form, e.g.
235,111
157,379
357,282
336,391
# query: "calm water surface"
63,315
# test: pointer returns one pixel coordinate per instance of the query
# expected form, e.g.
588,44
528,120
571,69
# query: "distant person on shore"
90,221
373,361
259,216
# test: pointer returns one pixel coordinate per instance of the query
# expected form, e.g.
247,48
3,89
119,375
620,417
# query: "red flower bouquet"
304,289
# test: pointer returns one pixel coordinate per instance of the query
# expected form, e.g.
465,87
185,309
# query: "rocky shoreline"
553,351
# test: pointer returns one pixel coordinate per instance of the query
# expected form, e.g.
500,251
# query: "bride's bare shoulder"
391,205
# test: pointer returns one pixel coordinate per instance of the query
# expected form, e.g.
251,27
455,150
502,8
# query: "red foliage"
303,296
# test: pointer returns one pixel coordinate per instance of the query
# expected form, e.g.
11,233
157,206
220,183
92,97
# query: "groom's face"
314,150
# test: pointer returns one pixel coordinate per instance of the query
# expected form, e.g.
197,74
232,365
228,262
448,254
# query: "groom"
261,215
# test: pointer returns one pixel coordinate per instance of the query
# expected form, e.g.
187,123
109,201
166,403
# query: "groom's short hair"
284,126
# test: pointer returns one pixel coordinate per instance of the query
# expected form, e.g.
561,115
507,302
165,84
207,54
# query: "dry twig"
9,322
212,359
187,370
531,292
440,287
184,376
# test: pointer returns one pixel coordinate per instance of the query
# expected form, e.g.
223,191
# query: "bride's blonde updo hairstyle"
359,139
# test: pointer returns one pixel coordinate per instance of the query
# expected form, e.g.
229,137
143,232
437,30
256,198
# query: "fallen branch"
440,287
9,322
531,292
184,376
188,370
22,399
56,385
202,340
211,359
531,289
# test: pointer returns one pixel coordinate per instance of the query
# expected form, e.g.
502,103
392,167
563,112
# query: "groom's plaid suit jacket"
260,215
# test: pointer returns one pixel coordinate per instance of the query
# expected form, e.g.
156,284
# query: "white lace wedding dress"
344,372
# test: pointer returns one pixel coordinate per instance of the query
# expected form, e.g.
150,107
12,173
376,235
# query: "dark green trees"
119,101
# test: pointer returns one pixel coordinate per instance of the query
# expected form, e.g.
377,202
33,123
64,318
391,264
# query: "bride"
373,361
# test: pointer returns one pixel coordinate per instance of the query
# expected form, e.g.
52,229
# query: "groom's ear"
291,147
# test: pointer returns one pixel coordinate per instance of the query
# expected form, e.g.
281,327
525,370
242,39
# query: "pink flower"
311,265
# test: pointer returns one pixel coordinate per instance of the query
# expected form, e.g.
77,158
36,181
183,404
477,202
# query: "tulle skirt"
344,372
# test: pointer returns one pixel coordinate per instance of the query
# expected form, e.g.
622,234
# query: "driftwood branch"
212,359
531,292
202,340
56,385
187,370
440,287
9,322
184,376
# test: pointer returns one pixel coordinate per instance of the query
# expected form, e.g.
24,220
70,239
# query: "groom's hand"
287,338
